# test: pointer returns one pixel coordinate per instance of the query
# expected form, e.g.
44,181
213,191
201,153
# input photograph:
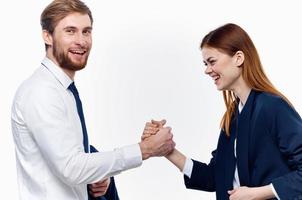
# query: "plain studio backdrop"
146,64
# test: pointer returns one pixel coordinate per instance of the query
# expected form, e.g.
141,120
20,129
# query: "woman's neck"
242,92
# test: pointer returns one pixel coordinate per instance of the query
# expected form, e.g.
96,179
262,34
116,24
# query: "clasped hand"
99,189
158,139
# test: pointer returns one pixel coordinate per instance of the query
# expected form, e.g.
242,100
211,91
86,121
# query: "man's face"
71,41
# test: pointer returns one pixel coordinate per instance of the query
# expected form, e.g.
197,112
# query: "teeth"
77,51
215,78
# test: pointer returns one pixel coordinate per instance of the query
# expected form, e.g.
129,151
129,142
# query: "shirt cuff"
132,156
274,191
188,168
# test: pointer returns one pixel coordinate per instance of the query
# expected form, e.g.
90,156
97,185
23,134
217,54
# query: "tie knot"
73,88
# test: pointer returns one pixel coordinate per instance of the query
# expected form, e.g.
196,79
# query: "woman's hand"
251,193
151,128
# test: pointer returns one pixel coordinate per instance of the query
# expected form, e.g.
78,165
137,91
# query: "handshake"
156,140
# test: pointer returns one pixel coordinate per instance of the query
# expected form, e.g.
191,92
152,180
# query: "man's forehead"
77,20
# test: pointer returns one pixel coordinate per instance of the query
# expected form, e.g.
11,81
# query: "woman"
259,151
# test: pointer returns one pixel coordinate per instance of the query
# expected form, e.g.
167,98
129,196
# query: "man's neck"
69,73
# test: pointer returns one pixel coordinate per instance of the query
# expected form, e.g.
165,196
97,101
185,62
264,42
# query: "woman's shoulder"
273,103
270,100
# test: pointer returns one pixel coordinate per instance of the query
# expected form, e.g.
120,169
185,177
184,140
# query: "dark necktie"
111,193
75,93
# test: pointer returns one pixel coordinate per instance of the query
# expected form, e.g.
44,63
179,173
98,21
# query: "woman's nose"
208,69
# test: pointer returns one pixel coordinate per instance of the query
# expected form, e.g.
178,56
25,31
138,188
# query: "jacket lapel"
229,158
243,134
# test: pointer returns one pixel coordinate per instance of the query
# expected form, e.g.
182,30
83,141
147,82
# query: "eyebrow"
88,28
209,58
73,27
69,27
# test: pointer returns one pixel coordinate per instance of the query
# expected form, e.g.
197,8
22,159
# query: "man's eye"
87,32
70,31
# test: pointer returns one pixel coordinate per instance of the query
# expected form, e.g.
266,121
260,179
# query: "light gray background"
146,63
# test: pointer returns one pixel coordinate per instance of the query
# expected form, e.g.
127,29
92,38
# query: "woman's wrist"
265,192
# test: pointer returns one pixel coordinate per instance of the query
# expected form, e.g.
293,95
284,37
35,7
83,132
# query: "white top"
50,157
188,167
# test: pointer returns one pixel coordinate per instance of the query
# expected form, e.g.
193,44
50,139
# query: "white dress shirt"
188,167
50,157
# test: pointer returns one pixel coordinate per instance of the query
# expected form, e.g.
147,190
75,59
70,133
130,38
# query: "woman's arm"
251,193
177,158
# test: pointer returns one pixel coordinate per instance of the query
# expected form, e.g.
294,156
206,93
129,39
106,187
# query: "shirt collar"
58,73
240,106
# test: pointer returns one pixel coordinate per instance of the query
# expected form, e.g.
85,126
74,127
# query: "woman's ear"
47,37
239,58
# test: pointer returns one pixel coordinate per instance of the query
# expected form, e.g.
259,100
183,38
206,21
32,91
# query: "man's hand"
159,144
99,189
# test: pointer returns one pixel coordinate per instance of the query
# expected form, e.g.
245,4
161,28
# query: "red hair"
229,39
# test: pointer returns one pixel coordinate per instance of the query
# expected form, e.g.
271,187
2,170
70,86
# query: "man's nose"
81,39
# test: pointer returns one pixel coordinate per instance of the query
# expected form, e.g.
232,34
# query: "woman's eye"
212,62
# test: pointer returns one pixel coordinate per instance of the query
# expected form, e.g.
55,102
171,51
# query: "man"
54,159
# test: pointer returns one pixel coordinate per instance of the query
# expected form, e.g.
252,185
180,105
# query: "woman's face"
224,70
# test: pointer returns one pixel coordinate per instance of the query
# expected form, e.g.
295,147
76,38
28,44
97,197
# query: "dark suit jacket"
111,193
269,150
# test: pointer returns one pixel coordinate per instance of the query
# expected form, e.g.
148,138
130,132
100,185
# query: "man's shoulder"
39,84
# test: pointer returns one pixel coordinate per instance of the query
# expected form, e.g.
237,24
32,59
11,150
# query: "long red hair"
229,39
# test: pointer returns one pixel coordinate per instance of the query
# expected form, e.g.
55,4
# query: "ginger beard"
73,58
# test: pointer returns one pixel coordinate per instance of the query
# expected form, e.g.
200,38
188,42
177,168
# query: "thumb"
163,122
160,124
168,129
230,192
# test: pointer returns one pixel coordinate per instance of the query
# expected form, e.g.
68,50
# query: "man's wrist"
145,150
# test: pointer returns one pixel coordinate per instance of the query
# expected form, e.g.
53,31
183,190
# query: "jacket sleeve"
287,127
202,177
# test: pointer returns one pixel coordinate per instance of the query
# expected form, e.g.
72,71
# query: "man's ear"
239,58
47,37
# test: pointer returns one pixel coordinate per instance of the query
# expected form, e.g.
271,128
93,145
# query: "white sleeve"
274,191
188,168
60,142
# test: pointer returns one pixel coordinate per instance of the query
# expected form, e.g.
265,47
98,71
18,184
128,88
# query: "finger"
159,123
145,136
149,128
151,131
104,182
165,129
97,194
168,128
98,184
169,136
173,145
149,124
231,191
167,148
163,122
98,189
